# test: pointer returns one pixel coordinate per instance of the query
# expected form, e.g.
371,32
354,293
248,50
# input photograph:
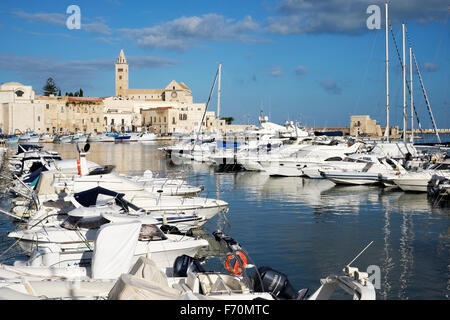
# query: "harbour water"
306,228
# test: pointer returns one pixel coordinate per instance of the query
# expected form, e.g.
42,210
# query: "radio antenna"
360,253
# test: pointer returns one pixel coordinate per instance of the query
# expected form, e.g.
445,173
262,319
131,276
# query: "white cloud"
98,27
181,33
347,17
276,72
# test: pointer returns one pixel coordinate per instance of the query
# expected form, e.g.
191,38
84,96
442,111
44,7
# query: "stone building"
162,111
20,111
363,125
72,114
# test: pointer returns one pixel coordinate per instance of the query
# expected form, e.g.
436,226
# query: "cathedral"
173,92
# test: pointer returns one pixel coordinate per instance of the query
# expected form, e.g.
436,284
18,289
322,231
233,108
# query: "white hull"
285,169
413,185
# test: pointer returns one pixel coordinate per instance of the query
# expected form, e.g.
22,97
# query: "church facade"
161,111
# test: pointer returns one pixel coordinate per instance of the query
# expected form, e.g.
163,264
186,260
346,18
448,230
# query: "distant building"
163,111
72,114
363,125
19,109
160,111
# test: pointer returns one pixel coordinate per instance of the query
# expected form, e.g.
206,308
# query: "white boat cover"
121,218
114,249
129,287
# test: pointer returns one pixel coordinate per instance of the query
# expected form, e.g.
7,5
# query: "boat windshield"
441,166
74,223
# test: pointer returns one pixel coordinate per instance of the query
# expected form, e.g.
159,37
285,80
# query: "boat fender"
274,282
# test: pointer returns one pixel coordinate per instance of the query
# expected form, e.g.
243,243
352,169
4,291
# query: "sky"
315,62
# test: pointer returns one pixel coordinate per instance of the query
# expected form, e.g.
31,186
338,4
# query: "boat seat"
214,283
191,284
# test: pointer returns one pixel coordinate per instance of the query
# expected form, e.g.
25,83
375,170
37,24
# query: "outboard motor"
184,263
276,283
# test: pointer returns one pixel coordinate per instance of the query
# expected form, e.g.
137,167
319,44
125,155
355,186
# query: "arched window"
19,93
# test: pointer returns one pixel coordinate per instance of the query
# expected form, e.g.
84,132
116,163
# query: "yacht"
310,155
146,136
376,170
105,137
417,181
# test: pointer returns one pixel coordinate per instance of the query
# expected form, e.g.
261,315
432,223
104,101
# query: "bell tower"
121,75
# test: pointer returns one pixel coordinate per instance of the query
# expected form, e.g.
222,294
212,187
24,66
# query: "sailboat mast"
404,84
218,96
412,96
387,76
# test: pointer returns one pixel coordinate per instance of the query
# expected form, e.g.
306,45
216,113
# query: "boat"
65,138
79,137
29,137
105,137
146,136
166,186
292,165
417,181
12,139
116,248
73,239
122,137
47,138
116,274
188,280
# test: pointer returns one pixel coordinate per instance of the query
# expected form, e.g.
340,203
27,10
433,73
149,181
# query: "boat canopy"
34,174
89,197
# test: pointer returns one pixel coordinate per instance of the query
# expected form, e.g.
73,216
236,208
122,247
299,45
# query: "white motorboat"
188,280
351,163
27,157
105,137
72,242
137,194
47,138
375,171
116,249
79,137
67,138
310,155
29,137
146,136
166,186
418,181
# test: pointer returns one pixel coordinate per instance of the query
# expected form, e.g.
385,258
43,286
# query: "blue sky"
312,61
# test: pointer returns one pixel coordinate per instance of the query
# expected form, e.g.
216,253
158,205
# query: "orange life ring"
236,269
